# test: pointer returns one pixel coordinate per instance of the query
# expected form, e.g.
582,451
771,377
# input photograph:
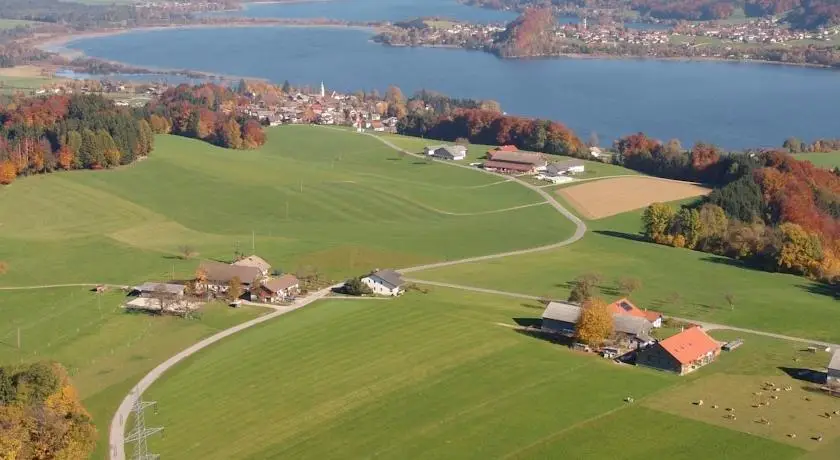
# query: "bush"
355,287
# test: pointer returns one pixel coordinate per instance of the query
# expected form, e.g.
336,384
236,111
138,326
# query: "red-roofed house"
506,148
625,307
682,353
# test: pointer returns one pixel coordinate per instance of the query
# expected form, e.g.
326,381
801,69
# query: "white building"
449,152
385,282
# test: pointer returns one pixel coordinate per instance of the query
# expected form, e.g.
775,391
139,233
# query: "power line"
139,433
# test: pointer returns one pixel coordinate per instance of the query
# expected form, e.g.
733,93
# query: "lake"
736,105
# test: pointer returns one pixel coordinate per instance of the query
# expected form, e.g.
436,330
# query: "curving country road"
117,427
580,226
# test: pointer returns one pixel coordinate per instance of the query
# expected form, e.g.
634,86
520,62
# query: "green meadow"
825,160
105,350
333,201
440,374
675,281
457,381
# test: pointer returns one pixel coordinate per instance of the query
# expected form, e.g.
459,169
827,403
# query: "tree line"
207,112
775,213
41,416
488,126
62,132
44,134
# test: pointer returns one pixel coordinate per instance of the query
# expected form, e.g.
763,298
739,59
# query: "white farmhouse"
385,282
565,167
450,152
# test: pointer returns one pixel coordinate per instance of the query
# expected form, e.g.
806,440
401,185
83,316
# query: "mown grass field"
105,349
678,282
335,201
25,85
825,160
338,202
436,375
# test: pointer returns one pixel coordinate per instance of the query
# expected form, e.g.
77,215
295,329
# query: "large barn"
682,353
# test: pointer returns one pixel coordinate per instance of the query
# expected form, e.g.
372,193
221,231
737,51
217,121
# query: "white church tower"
323,90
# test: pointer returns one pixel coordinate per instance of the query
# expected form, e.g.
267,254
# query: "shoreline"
58,44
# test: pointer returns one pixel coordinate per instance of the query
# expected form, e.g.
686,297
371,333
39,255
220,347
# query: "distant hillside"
805,14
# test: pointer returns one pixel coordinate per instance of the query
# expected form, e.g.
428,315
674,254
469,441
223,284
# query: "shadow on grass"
627,236
528,322
822,289
535,305
547,337
805,375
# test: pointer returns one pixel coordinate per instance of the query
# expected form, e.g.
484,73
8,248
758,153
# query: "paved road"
704,324
117,430
580,226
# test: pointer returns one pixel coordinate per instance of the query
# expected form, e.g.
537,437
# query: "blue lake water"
735,105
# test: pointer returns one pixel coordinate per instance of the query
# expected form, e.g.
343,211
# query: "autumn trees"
781,214
481,126
206,112
40,135
41,416
595,323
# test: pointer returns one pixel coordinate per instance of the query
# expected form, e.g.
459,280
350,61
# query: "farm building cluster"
632,337
508,159
252,278
633,341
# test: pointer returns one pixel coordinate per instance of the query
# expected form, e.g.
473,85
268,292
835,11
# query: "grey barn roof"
564,165
569,313
632,325
389,276
562,311
161,287
835,361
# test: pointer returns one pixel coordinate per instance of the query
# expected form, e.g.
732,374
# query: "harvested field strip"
604,198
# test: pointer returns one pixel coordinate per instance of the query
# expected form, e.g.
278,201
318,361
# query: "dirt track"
604,198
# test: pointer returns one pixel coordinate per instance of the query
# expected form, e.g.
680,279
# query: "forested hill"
805,14
60,132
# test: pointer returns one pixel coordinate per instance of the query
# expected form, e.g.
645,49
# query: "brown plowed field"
603,198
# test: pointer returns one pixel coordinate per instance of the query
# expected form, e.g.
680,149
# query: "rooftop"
516,157
835,361
562,311
223,273
284,282
389,276
161,287
253,261
689,345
